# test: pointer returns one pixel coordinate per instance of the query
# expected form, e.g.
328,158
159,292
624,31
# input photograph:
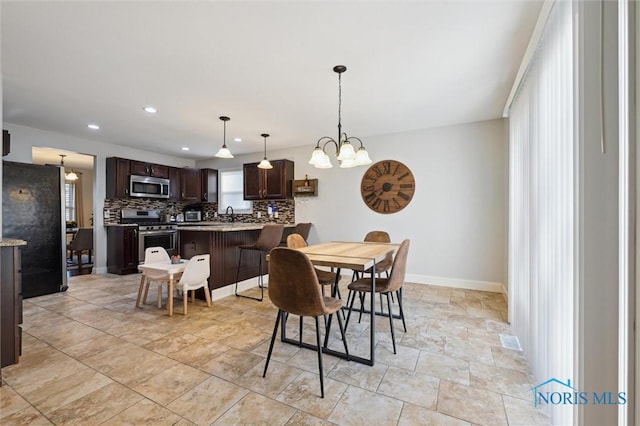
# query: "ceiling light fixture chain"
344,150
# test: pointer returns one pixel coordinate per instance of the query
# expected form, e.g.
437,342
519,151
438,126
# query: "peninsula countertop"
224,226
9,242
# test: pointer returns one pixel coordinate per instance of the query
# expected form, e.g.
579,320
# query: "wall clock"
387,186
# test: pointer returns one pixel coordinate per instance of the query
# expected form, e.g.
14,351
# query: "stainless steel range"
152,230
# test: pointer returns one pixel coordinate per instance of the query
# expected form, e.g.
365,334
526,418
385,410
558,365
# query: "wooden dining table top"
358,256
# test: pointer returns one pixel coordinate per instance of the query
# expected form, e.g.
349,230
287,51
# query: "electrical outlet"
259,215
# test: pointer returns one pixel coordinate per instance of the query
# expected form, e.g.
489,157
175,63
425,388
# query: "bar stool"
269,238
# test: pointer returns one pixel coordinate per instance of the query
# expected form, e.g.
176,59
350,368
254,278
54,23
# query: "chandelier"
347,156
265,164
224,151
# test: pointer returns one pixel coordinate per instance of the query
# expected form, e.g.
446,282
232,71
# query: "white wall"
23,139
457,220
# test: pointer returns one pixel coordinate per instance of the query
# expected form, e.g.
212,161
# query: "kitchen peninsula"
221,240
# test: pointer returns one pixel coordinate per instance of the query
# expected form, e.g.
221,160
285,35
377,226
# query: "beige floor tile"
424,341
477,406
468,350
521,412
144,412
444,367
198,353
255,409
359,375
232,364
246,338
26,417
360,407
304,394
410,386
414,415
168,385
93,346
502,380
509,358
405,357
208,401
10,401
96,407
276,380
300,418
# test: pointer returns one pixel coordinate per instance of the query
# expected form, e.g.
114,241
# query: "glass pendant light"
265,164
71,175
224,151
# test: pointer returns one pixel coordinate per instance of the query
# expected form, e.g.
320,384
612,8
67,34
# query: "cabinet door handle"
126,191
204,196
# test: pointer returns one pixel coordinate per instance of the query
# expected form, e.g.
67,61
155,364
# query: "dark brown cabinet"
118,171
10,305
269,184
174,184
209,179
191,185
148,169
122,249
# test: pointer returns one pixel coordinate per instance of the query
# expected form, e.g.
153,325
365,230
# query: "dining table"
169,270
357,256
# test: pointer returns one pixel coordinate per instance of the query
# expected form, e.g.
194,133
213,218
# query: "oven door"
163,238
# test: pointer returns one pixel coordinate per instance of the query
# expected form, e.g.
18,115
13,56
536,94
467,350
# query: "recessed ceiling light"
237,139
185,148
93,126
150,109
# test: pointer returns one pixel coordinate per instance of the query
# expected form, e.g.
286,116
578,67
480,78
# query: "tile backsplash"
285,209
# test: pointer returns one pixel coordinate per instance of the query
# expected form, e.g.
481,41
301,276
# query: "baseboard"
456,283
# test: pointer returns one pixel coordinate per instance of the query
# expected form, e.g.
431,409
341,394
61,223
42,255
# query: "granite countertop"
120,224
223,226
8,242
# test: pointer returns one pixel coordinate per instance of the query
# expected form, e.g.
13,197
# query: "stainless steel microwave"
148,186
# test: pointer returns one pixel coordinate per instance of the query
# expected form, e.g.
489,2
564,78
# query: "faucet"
233,218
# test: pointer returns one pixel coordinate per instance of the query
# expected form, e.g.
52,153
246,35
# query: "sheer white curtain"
542,205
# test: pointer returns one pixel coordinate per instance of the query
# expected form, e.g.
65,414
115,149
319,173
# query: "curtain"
542,220
79,202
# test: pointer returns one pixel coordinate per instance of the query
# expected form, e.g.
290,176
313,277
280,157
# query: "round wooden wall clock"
387,186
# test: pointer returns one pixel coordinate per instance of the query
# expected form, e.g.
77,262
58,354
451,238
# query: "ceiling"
266,64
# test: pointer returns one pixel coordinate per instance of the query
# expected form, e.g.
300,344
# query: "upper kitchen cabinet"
268,184
209,179
190,184
147,169
174,184
118,171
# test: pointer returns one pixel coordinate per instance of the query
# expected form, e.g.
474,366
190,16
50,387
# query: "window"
231,192
70,202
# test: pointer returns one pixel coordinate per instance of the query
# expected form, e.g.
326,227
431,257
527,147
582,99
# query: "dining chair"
195,276
82,241
301,229
384,286
324,277
155,255
294,289
269,238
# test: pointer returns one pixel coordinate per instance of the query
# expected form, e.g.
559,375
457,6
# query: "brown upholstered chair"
82,241
380,237
384,286
294,289
301,229
324,277
269,238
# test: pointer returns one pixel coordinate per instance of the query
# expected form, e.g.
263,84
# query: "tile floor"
91,358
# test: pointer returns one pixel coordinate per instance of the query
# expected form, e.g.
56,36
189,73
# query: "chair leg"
147,283
185,297
300,335
260,282
353,299
207,295
273,339
327,330
404,324
393,335
361,295
319,358
159,295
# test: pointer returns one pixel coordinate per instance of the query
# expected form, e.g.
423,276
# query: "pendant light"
71,175
224,151
265,164
347,156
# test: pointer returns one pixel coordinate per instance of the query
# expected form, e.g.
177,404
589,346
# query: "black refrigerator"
33,210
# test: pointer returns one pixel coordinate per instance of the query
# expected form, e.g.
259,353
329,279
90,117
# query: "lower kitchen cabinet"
122,249
10,306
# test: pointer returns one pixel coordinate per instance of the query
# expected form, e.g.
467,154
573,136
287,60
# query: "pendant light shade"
265,164
224,151
70,175
345,152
